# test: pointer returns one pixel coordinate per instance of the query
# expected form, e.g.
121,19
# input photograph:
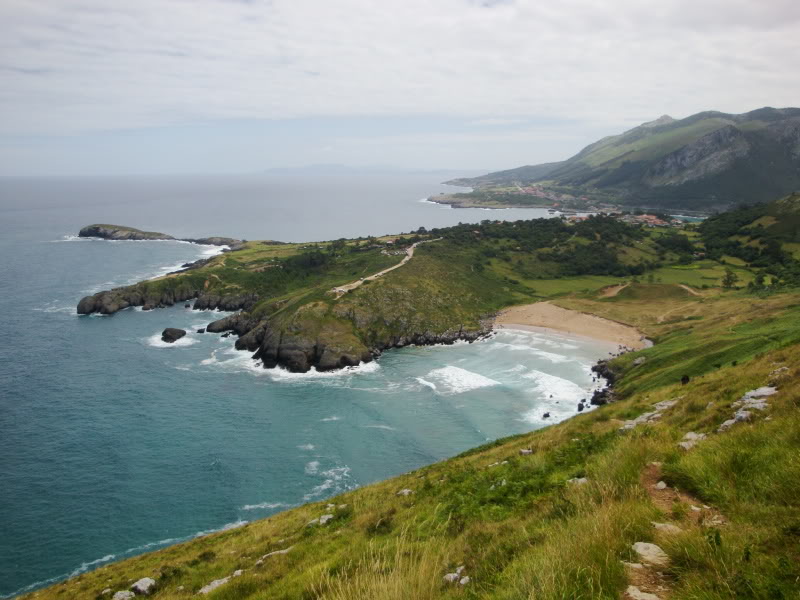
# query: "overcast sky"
159,86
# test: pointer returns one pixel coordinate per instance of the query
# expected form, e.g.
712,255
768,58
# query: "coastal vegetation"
556,513
696,454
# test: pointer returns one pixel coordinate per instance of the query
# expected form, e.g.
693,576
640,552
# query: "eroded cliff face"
315,335
713,153
111,301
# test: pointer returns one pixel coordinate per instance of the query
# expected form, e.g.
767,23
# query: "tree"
730,279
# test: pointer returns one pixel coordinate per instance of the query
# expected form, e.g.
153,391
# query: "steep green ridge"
709,160
525,524
458,278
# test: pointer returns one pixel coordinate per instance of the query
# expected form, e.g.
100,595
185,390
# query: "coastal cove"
140,444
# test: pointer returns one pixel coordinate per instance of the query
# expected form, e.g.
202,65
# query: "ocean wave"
336,481
456,380
265,506
386,427
281,374
333,418
312,467
306,447
426,383
53,307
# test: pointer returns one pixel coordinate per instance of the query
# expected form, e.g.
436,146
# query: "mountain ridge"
709,160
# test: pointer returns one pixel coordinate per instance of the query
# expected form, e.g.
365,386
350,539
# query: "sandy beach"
544,315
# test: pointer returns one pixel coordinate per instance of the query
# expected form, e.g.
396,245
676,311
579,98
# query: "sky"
104,87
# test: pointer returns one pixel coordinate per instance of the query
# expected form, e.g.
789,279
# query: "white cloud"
71,66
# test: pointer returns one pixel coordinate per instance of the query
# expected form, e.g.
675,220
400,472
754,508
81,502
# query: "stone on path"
451,577
124,595
651,554
691,439
661,485
405,492
634,593
667,528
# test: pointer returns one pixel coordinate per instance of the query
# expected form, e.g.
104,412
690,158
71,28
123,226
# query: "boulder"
323,520
124,595
525,451
172,335
201,330
405,492
144,587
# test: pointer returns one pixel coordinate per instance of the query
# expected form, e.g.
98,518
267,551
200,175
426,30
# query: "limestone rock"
172,334
144,587
634,593
578,481
405,492
651,554
525,451
124,595
323,520
451,578
207,589
667,528
661,485
464,580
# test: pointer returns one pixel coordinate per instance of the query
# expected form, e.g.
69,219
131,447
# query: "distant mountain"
708,160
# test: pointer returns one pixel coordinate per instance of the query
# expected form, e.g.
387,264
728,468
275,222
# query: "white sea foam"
280,374
264,506
333,418
456,380
312,467
336,479
386,427
306,446
426,383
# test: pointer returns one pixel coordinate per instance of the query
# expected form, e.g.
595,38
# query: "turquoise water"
113,443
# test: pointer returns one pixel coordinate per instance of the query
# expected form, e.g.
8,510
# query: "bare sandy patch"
550,316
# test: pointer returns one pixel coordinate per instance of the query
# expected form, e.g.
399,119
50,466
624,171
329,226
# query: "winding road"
343,289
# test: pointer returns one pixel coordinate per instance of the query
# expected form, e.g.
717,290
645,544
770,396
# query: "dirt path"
647,581
613,290
343,289
690,290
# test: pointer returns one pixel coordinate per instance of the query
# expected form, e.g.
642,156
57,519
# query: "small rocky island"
124,233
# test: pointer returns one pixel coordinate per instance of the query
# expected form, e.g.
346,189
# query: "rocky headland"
122,232
325,335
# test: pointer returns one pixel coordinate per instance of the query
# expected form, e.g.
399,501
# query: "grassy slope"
518,528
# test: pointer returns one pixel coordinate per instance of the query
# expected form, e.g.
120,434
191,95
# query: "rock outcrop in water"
172,334
122,232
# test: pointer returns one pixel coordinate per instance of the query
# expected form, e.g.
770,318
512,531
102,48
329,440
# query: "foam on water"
265,506
156,342
337,480
330,419
455,380
386,427
306,447
312,467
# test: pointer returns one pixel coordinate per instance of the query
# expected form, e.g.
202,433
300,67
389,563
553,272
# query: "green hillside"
708,160
557,513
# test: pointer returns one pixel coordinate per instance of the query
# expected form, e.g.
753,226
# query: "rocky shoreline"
273,343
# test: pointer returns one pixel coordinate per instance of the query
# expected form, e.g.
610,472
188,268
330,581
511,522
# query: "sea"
113,443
